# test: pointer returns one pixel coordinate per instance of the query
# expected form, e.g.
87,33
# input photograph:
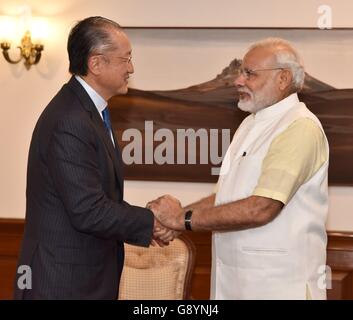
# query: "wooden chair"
156,273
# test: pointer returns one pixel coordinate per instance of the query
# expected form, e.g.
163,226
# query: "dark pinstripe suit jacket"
76,218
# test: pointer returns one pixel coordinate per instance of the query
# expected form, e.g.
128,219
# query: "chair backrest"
156,273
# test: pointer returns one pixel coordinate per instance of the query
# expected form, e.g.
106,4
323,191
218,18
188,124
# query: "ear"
94,64
285,79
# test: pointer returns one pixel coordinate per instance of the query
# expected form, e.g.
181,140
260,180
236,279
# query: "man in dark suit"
76,218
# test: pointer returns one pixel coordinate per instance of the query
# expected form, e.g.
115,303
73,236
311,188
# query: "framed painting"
182,134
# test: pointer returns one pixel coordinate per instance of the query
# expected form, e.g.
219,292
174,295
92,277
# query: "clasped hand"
169,219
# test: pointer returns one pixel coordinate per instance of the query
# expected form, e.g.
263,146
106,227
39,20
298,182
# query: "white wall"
200,13
164,59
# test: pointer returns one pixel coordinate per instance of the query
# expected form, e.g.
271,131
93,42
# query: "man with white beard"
269,211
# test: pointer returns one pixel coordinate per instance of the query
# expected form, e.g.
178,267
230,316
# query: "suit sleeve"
73,165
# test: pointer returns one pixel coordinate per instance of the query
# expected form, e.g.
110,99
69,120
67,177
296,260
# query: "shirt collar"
278,108
98,101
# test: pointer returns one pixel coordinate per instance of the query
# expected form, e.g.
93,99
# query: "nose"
130,67
240,80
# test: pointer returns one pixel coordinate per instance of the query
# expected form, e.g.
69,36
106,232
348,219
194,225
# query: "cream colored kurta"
285,257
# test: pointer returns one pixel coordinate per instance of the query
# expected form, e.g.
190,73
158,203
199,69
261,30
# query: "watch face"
188,215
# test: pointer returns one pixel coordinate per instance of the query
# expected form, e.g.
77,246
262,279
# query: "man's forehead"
122,41
119,35
258,57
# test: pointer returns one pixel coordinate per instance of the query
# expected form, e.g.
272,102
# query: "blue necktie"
106,119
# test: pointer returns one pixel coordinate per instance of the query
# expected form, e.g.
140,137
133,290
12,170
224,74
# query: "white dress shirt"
97,99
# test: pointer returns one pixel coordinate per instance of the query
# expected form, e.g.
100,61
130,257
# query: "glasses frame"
249,73
128,59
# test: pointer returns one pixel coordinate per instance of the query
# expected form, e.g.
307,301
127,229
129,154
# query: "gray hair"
287,57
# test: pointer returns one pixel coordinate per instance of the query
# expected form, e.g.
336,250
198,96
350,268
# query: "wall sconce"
30,50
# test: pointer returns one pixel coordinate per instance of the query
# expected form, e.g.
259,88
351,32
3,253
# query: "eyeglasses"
128,59
248,74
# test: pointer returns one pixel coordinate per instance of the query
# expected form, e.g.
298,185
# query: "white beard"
257,101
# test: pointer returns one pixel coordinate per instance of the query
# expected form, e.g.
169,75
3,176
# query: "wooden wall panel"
341,286
11,231
339,258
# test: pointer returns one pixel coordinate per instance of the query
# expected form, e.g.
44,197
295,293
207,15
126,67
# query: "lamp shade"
8,29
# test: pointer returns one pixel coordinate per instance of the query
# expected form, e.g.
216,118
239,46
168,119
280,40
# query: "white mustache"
244,90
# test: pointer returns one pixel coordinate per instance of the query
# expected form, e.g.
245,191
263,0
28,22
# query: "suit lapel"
120,161
88,104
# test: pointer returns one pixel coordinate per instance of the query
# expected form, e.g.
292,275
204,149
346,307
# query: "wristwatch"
187,220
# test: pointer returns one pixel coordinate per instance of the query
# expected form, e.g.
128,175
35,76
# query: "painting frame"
122,110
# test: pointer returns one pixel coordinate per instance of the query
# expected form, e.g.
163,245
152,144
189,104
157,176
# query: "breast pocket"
250,168
242,177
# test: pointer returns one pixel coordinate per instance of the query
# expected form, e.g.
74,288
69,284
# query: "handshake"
169,219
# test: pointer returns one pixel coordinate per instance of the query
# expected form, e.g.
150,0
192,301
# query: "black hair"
87,36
